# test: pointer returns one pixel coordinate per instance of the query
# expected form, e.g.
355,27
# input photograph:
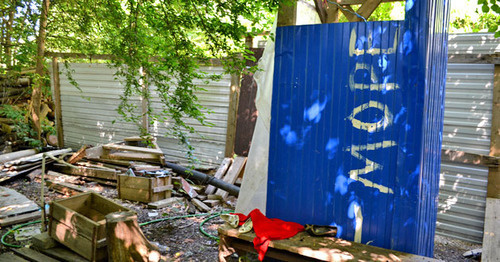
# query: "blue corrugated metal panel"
357,113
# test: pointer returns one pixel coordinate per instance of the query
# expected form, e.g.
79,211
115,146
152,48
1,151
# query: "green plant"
22,125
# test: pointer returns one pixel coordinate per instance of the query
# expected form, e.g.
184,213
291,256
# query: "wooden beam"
57,102
350,16
469,158
367,8
474,58
79,55
332,14
495,118
133,149
232,117
491,236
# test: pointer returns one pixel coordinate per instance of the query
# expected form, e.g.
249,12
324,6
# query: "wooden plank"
221,171
37,157
20,218
212,203
491,239
32,255
491,236
133,157
87,171
137,139
367,8
63,254
200,205
4,158
326,248
66,188
57,102
13,203
10,257
78,155
162,188
495,118
232,174
165,202
133,182
137,149
232,116
469,158
70,238
135,194
474,58
58,177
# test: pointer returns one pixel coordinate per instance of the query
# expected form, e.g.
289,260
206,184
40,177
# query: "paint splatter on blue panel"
357,112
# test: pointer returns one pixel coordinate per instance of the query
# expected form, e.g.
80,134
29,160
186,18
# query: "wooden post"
125,240
491,236
232,117
57,102
145,100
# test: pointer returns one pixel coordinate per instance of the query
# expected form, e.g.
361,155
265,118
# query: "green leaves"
491,15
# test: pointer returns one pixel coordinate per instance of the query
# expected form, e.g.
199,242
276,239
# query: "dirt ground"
180,239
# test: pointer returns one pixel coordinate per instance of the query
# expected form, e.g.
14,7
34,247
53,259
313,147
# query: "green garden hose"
211,216
14,229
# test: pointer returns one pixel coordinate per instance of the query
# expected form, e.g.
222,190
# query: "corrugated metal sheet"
467,127
477,43
210,143
88,114
356,127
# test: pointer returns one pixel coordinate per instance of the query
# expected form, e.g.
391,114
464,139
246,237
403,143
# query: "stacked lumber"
12,89
204,198
20,163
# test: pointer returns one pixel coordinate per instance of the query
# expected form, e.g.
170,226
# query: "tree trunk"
125,240
8,32
36,97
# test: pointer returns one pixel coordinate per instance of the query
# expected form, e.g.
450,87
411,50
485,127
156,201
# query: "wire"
14,229
347,10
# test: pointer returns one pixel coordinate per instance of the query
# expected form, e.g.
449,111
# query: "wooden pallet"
16,208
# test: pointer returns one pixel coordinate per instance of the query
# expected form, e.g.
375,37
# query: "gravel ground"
180,239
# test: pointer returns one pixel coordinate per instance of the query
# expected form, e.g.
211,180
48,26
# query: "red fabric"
267,229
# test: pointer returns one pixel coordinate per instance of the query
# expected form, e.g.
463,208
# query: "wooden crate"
79,223
144,189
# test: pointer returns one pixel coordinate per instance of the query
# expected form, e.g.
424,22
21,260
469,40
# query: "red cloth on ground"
267,229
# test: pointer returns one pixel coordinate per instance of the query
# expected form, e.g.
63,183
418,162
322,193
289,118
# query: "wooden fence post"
491,236
57,101
232,117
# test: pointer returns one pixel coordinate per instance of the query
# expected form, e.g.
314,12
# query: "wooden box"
79,223
144,189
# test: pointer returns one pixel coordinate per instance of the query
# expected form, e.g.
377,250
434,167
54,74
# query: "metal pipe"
204,178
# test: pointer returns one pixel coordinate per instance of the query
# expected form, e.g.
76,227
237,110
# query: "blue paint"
357,113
